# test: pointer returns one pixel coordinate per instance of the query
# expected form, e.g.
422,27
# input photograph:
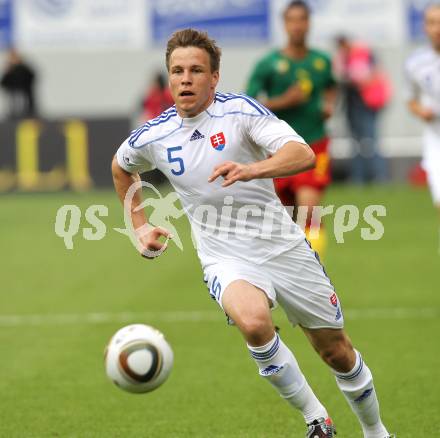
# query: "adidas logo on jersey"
197,135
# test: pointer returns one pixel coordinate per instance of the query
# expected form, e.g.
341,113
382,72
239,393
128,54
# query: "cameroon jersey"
276,72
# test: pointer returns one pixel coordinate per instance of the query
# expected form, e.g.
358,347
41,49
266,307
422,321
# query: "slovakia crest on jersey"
218,141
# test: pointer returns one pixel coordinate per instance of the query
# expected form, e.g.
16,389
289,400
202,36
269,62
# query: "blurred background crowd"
88,72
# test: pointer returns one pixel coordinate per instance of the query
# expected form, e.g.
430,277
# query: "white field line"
194,316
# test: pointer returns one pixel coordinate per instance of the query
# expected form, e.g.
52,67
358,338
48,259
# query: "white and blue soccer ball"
138,358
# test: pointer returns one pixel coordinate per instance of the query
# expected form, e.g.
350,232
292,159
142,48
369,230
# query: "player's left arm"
424,113
293,157
329,102
330,92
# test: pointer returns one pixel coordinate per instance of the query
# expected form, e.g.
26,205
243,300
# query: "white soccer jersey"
245,220
423,75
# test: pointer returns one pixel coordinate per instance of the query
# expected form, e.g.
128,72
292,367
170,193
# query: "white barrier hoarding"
233,21
378,22
136,24
80,24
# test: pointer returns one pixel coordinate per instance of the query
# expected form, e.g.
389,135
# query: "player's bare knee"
257,329
339,356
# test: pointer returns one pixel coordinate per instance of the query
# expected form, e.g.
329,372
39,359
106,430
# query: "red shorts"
318,178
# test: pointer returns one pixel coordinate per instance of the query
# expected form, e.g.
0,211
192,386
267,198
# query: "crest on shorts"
334,299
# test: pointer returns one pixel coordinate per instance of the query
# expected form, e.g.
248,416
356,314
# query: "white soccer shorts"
295,280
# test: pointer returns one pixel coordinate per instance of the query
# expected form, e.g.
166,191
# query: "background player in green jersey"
299,87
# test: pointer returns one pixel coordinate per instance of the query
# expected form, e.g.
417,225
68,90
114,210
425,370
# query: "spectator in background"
157,99
365,91
18,81
423,76
300,89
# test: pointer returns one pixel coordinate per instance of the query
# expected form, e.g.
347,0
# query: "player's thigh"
304,290
219,276
308,196
248,306
433,177
246,294
284,188
431,164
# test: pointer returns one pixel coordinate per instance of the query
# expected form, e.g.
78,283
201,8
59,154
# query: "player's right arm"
125,171
286,153
292,158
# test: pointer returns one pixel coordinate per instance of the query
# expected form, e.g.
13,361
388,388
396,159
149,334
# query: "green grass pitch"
58,309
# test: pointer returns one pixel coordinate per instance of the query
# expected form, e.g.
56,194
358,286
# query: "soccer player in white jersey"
423,73
220,153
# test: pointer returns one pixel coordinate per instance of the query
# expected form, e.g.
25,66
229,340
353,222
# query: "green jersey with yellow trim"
276,72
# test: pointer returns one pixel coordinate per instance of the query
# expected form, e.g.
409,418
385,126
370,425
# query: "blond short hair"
194,38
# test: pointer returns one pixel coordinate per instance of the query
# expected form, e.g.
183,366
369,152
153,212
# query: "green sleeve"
258,80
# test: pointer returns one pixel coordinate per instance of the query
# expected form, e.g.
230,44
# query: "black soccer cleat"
321,428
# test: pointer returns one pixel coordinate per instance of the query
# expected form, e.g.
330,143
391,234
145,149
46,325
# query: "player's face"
296,22
432,25
192,82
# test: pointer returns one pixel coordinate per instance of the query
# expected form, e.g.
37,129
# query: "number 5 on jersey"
177,160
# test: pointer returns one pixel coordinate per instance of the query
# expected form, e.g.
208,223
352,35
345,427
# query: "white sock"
278,365
357,387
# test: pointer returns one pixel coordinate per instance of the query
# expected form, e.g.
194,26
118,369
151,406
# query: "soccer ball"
138,358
